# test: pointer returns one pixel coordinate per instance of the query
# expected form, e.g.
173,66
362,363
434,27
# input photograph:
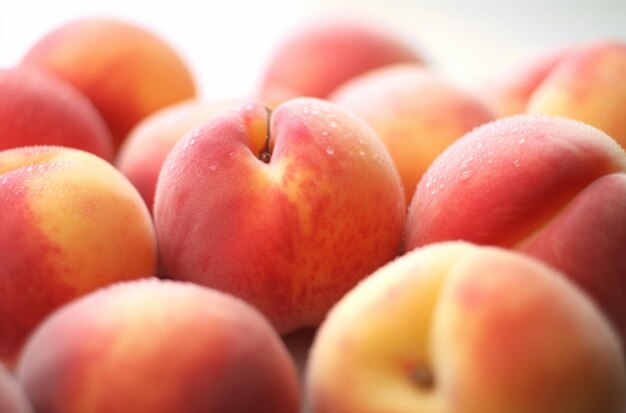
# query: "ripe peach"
287,210
552,187
12,396
327,51
416,114
508,93
70,223
141,156
155,346
584,83
133,73
588,85
454,327
39,109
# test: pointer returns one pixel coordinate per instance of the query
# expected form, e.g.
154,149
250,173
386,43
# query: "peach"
508,93
584,83
454,327
39,109
286,209
141,156
12,397
158,346
70,223
551,187
588,85
415,112
134,72
327,51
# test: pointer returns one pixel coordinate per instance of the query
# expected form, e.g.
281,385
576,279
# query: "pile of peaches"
452,251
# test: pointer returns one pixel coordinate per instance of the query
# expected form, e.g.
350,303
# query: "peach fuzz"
588,85
415,112
39,109
454,327
12,397
326,51
154,346
133,73
70,223
142,155
549,186
286,209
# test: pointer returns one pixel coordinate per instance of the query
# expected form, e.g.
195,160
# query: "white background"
227,43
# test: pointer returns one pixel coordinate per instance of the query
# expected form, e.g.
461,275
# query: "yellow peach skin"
286,210
458,328
70,223
154,346
127,71
583,82
508,93
588,85
416,114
